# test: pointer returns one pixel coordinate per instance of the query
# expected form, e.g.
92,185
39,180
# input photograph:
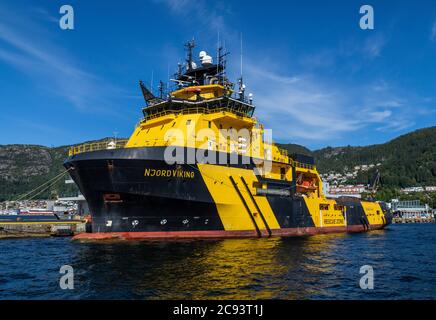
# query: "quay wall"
40,229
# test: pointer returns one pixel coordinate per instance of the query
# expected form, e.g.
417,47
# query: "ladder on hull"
246,190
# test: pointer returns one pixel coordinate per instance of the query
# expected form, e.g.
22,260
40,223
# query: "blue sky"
317,78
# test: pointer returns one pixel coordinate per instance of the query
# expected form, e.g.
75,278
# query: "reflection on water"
324,266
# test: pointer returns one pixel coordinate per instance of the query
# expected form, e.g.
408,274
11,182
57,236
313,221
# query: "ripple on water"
318,267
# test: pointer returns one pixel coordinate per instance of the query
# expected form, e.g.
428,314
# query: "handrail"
192,110
117,144
303,165
283,152
95,146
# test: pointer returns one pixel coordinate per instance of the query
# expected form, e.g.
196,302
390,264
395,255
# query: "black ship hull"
134,193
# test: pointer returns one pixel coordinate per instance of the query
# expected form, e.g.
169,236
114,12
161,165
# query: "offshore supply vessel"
200,165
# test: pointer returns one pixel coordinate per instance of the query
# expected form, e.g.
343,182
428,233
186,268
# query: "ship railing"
283,152
95,146
303,165
193,110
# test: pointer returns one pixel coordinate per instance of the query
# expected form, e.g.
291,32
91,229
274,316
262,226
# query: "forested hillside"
408,160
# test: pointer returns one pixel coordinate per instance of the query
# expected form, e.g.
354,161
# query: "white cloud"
307,109
433,32
373,46
380,86
378,116
296,107
45,15
396,125
199,9
390,104
26,46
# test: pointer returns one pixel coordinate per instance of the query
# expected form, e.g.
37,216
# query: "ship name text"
167,173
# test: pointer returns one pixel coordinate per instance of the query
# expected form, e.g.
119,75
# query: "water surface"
318,267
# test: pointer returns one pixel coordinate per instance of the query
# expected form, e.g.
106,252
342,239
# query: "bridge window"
323,206
282,173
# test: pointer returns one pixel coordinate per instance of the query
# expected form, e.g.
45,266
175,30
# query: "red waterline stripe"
220,233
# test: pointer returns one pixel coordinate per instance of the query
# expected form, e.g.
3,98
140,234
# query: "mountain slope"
295,148
25,167
405,161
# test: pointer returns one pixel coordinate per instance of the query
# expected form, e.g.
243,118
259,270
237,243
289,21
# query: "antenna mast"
151,81
161,89
218,54
189,46
168,77
241,55
241,81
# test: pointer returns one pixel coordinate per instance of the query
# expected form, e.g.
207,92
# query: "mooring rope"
45,188
54,180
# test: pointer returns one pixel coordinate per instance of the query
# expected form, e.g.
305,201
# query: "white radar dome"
205,58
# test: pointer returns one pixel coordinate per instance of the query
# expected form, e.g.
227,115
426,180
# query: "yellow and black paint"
133,191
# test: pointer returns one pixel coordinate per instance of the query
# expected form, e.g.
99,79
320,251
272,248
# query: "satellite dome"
205,58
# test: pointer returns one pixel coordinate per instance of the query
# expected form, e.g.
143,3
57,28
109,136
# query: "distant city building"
410,209
337,178
78,200
344,190
419,189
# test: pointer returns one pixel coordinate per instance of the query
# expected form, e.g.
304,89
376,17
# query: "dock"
413,220
26,229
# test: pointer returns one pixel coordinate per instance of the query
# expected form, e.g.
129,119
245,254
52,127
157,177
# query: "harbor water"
319,267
